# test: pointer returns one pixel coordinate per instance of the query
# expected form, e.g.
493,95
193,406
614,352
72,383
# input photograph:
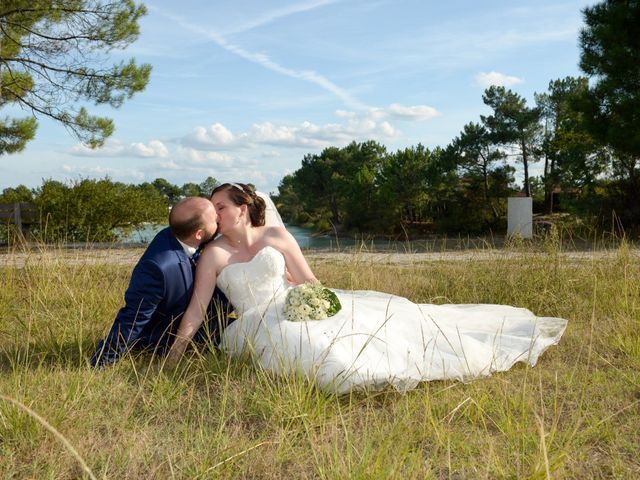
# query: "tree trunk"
487,199
525,162
549,185
335,214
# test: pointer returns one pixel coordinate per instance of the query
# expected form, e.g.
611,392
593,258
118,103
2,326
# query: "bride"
375,340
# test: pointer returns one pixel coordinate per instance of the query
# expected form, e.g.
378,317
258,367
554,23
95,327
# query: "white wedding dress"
376,339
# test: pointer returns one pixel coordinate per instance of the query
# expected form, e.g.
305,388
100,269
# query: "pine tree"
53,58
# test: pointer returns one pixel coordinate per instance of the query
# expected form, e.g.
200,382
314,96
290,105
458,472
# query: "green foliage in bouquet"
334,303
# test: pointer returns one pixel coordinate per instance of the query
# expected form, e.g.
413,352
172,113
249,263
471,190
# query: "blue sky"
241,90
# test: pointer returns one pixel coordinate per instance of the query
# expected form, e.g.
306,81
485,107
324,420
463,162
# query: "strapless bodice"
254,283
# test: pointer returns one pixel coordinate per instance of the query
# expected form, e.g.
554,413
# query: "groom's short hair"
186,216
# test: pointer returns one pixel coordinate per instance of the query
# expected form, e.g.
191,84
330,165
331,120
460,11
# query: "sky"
242,90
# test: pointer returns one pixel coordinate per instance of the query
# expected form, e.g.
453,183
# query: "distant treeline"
464,186
97,210
584,131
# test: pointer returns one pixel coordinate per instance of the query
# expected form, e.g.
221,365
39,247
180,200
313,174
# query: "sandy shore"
129,256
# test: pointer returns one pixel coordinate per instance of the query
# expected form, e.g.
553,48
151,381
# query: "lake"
305,238
302,235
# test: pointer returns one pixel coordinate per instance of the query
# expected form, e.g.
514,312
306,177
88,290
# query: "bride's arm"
203,287
297,265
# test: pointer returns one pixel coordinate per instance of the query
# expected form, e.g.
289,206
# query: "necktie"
196,256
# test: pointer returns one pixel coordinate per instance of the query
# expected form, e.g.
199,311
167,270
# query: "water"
143,234
302,235
305,238
308,239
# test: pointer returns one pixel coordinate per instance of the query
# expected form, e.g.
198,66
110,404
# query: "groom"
161,285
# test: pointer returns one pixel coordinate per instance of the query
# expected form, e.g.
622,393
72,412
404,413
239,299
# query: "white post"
520,216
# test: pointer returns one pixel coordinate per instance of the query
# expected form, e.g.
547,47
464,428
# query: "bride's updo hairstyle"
243,194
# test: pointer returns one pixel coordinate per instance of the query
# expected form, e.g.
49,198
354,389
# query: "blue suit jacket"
157,296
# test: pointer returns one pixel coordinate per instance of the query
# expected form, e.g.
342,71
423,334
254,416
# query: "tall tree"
610,43
610,56
53,58
572,158
338,187
190,189
207,186
476,155
20,193
357,178
171,192
288,202
403,187
513,124
318,181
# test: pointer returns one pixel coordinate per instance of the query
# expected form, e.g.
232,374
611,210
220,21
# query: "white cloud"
94,171
485,80
238,169
198,158
192,159
216,134
115,148
345,114
374,113
415,112
388,130
304,135
169,165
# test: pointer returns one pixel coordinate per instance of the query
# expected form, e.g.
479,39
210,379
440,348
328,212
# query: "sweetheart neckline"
248,261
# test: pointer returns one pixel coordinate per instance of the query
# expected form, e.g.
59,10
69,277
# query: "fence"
20,214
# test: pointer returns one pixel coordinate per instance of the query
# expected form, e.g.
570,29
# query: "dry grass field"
574,415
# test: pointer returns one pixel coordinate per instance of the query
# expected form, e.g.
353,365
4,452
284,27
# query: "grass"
574,415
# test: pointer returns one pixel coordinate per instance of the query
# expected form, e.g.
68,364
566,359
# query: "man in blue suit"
161,285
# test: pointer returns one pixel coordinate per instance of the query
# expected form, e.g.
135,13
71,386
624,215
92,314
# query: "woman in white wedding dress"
375,340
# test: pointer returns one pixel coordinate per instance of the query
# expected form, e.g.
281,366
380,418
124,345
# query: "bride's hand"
176,352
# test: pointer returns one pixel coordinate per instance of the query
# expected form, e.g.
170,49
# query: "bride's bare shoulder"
277,233
277,236
216,250
280,238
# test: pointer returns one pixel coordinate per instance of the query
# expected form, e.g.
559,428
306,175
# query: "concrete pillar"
520,216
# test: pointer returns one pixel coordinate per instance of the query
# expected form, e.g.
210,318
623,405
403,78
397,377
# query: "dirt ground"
129,256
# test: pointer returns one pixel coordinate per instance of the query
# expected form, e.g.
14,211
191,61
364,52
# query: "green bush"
88,210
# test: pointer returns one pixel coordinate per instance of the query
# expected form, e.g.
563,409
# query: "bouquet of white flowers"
310,301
